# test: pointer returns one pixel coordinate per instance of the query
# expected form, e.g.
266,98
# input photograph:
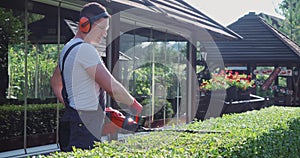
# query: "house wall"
161,40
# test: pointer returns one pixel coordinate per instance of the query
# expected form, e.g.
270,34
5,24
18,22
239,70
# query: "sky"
226,12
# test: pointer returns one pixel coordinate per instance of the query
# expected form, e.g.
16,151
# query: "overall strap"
64,90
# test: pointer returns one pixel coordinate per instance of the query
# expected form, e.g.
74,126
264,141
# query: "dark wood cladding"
261,43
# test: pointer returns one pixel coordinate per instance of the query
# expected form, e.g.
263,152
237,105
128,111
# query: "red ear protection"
85,24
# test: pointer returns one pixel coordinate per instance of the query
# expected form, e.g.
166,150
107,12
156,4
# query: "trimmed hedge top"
270,132
30,107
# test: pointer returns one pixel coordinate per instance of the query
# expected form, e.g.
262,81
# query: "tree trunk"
3,68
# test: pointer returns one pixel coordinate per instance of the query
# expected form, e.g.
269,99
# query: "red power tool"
115,120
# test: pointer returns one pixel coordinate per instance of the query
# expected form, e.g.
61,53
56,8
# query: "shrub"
41,118
161,107
270,132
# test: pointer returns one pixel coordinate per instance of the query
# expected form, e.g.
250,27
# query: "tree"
290,9
11,31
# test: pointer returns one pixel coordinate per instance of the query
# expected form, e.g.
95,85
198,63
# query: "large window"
152,65
153,69
29,112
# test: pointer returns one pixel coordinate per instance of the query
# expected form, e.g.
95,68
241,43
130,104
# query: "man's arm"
56,84
113,87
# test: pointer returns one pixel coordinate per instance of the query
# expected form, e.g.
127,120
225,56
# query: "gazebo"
262,49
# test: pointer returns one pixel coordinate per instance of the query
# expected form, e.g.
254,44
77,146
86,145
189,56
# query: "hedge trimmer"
116,120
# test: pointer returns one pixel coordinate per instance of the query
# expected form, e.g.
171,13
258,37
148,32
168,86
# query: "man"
81,79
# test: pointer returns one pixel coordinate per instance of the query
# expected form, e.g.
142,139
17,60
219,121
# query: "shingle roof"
261,43
178,10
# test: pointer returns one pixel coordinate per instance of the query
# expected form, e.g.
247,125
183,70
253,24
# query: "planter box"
254,103
231,94
244,94
235,94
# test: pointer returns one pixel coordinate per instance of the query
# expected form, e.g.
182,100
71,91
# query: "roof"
261,43
168,13
174,11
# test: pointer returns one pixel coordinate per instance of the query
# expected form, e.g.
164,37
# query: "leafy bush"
161,107
270,132
141,80
41,118
40,67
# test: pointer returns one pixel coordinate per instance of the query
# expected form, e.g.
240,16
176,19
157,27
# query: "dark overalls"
80,128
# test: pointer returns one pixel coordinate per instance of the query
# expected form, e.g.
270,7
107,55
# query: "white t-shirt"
83,91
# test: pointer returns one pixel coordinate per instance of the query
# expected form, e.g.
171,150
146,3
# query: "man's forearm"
56,84
120,94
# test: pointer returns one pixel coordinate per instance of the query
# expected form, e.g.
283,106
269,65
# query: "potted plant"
217,84
237,85
242,82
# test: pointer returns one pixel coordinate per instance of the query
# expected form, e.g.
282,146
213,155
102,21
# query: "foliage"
161,106
261,78
12,25
290,25
241,81
290,9
164,77
41,118
42,60
270,132
217,81
12,29
226,79
30,107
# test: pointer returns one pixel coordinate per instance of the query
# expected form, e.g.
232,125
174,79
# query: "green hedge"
41,119
270,132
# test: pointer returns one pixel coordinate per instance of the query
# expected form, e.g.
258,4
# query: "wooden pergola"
261,45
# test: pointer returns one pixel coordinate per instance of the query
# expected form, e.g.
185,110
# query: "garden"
269,132
247,125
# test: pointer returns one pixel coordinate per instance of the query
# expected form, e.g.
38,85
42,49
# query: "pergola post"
191,102
113,48
289,83
112,54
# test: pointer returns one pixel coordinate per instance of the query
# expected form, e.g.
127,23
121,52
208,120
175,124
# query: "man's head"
95,19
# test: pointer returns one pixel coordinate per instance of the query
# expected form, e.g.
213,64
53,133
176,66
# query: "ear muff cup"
84,24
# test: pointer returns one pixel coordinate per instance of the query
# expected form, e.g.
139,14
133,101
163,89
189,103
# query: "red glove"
137,106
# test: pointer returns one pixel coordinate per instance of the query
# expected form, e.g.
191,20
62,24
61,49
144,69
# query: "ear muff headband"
86,23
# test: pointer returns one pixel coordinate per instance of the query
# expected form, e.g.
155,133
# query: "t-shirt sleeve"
88,56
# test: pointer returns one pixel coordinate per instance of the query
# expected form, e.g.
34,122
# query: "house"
133,21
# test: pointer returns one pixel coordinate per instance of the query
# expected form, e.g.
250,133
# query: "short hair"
92,9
